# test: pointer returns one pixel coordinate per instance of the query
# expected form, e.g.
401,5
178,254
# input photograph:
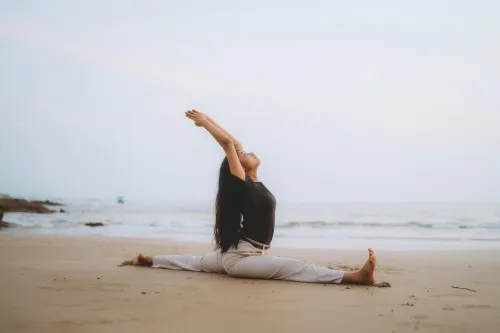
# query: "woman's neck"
252,174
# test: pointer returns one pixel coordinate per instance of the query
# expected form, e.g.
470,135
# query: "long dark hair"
227,211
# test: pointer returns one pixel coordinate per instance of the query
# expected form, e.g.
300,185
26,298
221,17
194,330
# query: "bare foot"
365,275
142,260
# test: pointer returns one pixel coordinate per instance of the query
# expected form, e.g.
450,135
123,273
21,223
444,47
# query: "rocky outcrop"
11,205
95,224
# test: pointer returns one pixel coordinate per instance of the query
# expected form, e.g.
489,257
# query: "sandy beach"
73,284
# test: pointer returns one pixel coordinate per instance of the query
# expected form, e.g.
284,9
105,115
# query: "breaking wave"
410,224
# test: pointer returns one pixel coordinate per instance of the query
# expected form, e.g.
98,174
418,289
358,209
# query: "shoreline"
353,244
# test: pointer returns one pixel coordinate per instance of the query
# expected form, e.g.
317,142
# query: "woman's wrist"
203,122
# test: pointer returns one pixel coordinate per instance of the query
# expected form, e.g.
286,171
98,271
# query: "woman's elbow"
237,145
227,143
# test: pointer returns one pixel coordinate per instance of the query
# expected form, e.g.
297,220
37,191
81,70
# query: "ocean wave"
306,223
33,226
451,239
409,224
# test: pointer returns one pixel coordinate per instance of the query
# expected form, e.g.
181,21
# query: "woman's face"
249,161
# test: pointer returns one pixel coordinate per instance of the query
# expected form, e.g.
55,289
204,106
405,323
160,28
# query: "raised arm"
236,143
222,137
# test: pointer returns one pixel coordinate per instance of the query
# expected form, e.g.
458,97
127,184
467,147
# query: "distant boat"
120,199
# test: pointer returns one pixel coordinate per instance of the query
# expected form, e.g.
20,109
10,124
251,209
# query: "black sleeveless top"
257,207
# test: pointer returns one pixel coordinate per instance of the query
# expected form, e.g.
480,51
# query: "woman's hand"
198,117
222,137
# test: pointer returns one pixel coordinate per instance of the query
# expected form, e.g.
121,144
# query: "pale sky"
342,100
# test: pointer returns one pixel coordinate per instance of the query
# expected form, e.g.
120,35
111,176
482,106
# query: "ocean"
388,226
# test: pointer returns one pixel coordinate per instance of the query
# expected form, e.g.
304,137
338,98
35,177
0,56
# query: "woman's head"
227,212
249,161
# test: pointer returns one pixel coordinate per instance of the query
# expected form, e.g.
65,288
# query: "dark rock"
94,224
62,211
11,205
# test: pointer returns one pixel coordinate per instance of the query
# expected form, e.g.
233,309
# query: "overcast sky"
342,100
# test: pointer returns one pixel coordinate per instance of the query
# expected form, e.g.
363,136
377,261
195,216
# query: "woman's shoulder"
243,183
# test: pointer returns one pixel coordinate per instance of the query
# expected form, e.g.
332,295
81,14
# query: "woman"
244,227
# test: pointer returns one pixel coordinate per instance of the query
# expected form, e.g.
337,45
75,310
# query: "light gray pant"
250,262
